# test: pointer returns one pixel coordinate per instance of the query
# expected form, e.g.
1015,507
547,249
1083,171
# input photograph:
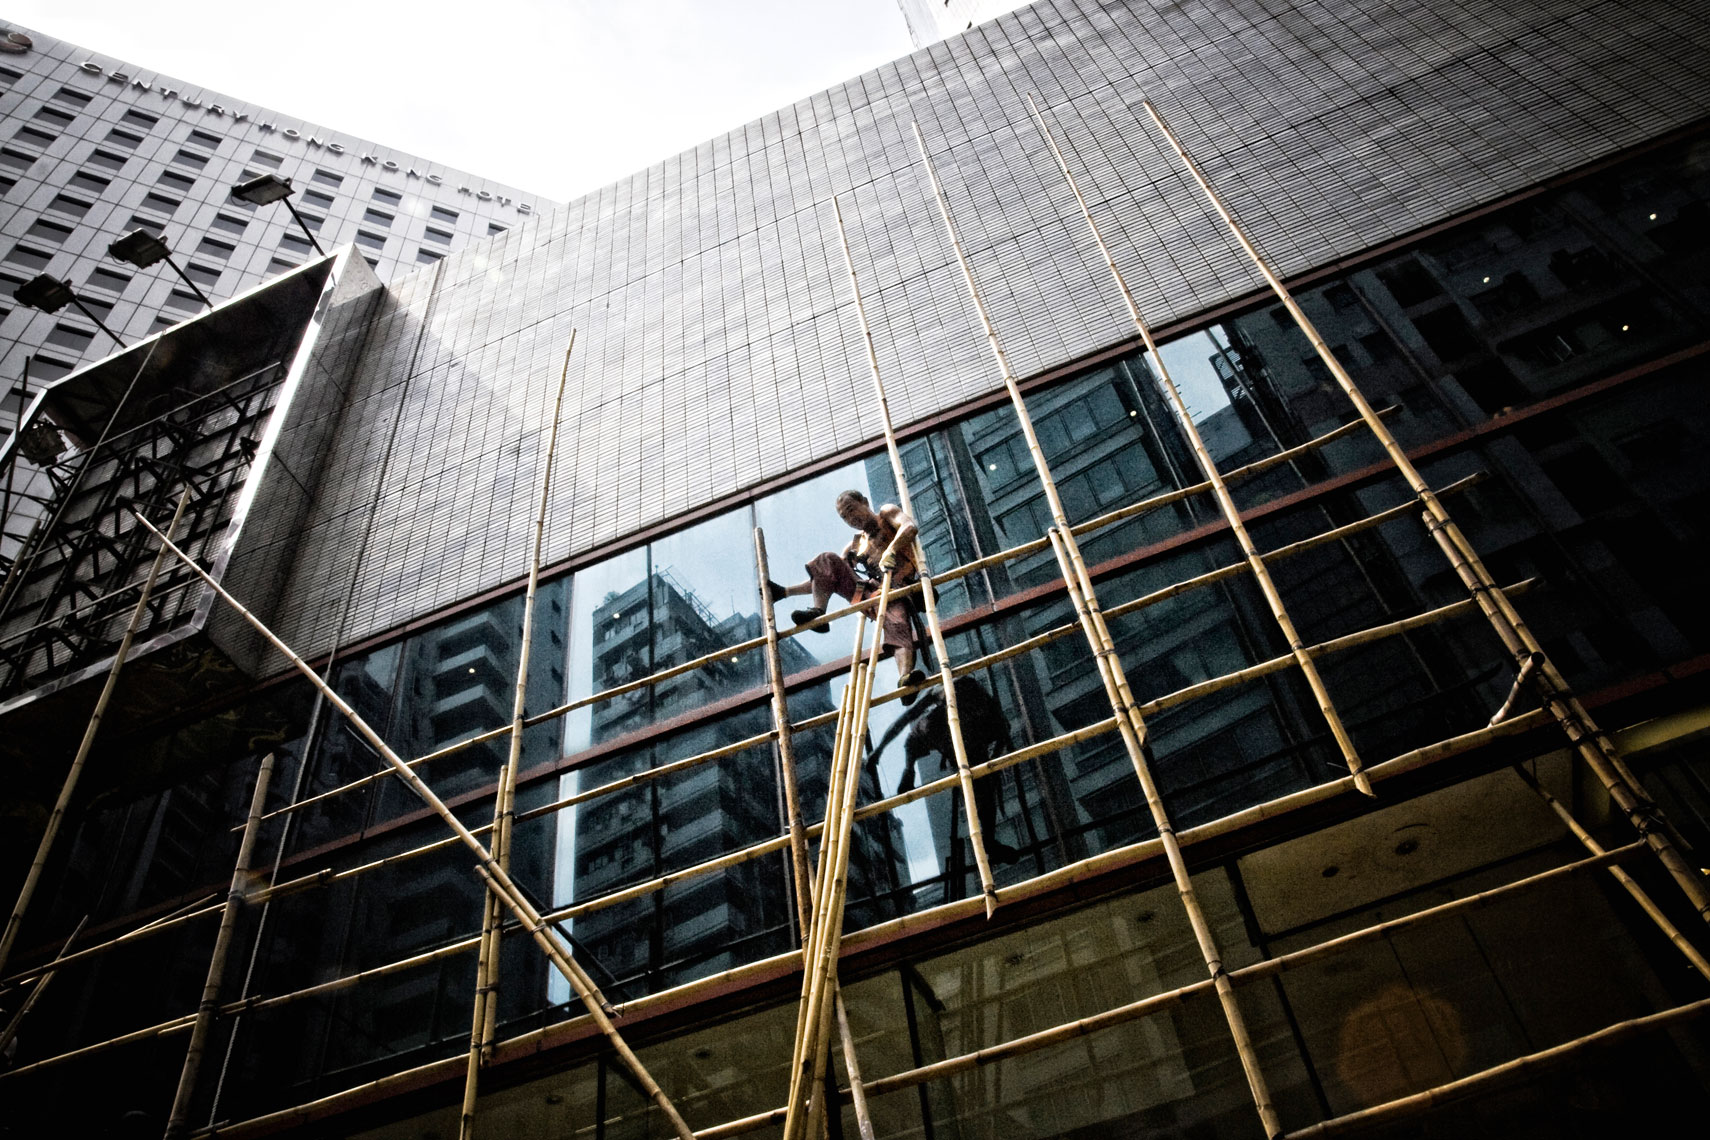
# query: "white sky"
553,96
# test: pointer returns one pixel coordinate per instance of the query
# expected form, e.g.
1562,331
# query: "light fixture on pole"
142,249
264,190
49,294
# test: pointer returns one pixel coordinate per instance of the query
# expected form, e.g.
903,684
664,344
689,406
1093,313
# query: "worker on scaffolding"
883,541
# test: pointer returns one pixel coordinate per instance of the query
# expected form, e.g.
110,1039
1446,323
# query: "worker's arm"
906,530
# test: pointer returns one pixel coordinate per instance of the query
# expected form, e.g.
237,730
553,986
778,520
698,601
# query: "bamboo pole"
857,1087
198,909
1109,665
1628,883
488,868
57,817
786,742
177,1121
1588,740
36,991
1208,465
484,1020
952,715
1496,1074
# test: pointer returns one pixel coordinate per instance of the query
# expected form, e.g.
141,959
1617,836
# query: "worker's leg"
828,574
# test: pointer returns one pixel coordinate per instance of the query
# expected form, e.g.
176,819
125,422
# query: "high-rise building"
96,147
1495,217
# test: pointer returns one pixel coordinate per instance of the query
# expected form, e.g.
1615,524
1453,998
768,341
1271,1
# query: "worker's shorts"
832,571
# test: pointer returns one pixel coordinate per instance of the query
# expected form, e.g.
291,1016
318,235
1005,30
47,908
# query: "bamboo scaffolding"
1496,1074
1099,522
42,982
1628,884
490,871
198,909
1220,490
1109,664
1598,753
485,1017
952,715
56,818
1155,1003
178,1120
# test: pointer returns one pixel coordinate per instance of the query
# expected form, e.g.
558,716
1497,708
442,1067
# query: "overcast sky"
552,96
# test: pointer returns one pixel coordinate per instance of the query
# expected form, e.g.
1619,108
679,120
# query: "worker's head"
853,508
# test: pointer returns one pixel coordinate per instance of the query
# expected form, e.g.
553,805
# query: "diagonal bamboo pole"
489,869
38,989
1628,883
484,1021
976,834
1121,698
177,1122
27,892
1588,740
1220,490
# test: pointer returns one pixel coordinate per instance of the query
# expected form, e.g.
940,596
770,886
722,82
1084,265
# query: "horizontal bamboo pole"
159,926
1497,1074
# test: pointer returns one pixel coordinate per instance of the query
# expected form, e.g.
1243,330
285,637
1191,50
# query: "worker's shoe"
775,592
911,680
802,617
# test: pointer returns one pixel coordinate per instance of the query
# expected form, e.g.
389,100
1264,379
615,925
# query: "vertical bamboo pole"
484,1023
976,834
490,871
178,1121
63,804
857,1087
1220,489
1128,721
786,742
41,985
1599,754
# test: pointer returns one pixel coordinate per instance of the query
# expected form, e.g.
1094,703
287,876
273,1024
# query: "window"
160,202
391,197
229,224
9,77
46,368
109,279
212,247
441,214
27,257
16,159
377,217
140,119
70,207
124,138
204,139
327,178
71,97
204,275
54,117
106,159
69,336
429,256
179,299
372,241
311,221
6,183
102,309
495,228
438,235
266,158
49,231
29,136
316,198
190,158
295,242
93,183
180,182
139,222
161,324
280,265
